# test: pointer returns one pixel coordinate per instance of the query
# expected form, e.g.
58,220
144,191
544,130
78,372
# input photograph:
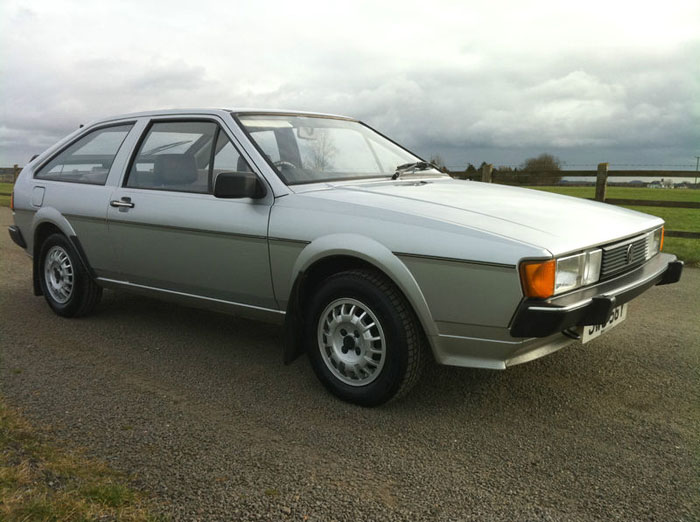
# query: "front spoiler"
592,305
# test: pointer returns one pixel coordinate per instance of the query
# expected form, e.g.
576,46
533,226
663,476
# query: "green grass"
682,219
41,483
627,193
686,219
5,188
686,249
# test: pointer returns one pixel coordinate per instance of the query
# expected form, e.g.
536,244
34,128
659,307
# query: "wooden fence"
9,174
601,175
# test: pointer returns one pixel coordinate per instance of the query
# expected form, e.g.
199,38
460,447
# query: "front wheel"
363,339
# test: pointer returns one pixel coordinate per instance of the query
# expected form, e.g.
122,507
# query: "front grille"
622,257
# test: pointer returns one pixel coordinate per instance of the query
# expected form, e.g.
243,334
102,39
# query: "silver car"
374,261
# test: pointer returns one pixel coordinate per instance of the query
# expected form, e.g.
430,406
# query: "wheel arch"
337,253
48,221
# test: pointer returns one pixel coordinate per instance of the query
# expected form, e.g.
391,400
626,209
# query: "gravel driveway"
199,407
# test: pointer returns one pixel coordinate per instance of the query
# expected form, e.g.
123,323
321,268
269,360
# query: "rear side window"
87,160
174,156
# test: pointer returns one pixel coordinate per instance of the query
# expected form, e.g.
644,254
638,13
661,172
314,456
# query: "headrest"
175,169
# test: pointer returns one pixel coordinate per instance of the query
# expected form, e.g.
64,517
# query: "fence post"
601,182
15,172
486,172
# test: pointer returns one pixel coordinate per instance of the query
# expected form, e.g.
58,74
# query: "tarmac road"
199,407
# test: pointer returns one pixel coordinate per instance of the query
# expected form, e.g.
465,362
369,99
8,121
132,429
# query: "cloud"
439,78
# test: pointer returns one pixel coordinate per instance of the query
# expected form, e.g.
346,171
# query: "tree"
468,173
504,175
322,152
437,160
545,169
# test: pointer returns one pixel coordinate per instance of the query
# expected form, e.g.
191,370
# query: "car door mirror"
233,185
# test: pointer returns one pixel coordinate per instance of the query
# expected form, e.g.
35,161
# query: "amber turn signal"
538,278
661,245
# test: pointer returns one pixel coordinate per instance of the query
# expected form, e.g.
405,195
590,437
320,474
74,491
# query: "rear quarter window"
87,160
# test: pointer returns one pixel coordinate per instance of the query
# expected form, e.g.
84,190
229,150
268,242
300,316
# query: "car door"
172,234
75,182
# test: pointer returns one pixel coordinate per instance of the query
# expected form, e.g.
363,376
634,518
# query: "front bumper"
592,305
16,236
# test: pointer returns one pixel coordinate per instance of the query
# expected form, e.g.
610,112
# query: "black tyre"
363,339
67,287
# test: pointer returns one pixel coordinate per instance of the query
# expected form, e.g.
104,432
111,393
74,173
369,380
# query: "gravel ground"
200,409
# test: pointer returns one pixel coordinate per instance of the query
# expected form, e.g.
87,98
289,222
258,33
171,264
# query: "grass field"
5,188
684,219
687,219
39,482
627,193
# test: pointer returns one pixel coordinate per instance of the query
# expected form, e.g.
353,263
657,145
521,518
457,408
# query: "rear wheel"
363,339
67,287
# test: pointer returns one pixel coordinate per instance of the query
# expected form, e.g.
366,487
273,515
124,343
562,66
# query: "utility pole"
697,162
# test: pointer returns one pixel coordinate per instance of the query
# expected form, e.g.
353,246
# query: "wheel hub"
351,341
58,274
348,344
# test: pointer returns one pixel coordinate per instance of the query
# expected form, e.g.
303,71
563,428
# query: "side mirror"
234,185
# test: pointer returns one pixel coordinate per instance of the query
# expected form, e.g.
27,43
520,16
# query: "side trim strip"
193,296
186,229
287,240
452,259
86,218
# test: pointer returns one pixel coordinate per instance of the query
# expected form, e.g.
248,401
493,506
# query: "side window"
89,159
227,158
174,156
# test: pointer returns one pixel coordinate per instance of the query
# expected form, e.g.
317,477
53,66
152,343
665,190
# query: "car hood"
554,222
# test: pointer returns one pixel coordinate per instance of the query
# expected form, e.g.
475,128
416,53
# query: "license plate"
618,315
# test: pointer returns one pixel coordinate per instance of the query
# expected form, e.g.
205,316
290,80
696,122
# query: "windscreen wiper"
412,167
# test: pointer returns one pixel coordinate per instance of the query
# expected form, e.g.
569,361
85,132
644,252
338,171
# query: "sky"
471,81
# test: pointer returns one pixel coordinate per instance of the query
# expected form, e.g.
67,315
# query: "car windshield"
309,149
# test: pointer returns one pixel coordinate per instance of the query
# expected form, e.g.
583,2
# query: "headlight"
575,271
655,242
547,278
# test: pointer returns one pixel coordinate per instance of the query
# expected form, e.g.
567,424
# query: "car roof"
215,111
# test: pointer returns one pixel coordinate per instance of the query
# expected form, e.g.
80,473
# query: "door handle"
124,203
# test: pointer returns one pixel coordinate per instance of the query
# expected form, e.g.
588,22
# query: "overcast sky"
473,81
